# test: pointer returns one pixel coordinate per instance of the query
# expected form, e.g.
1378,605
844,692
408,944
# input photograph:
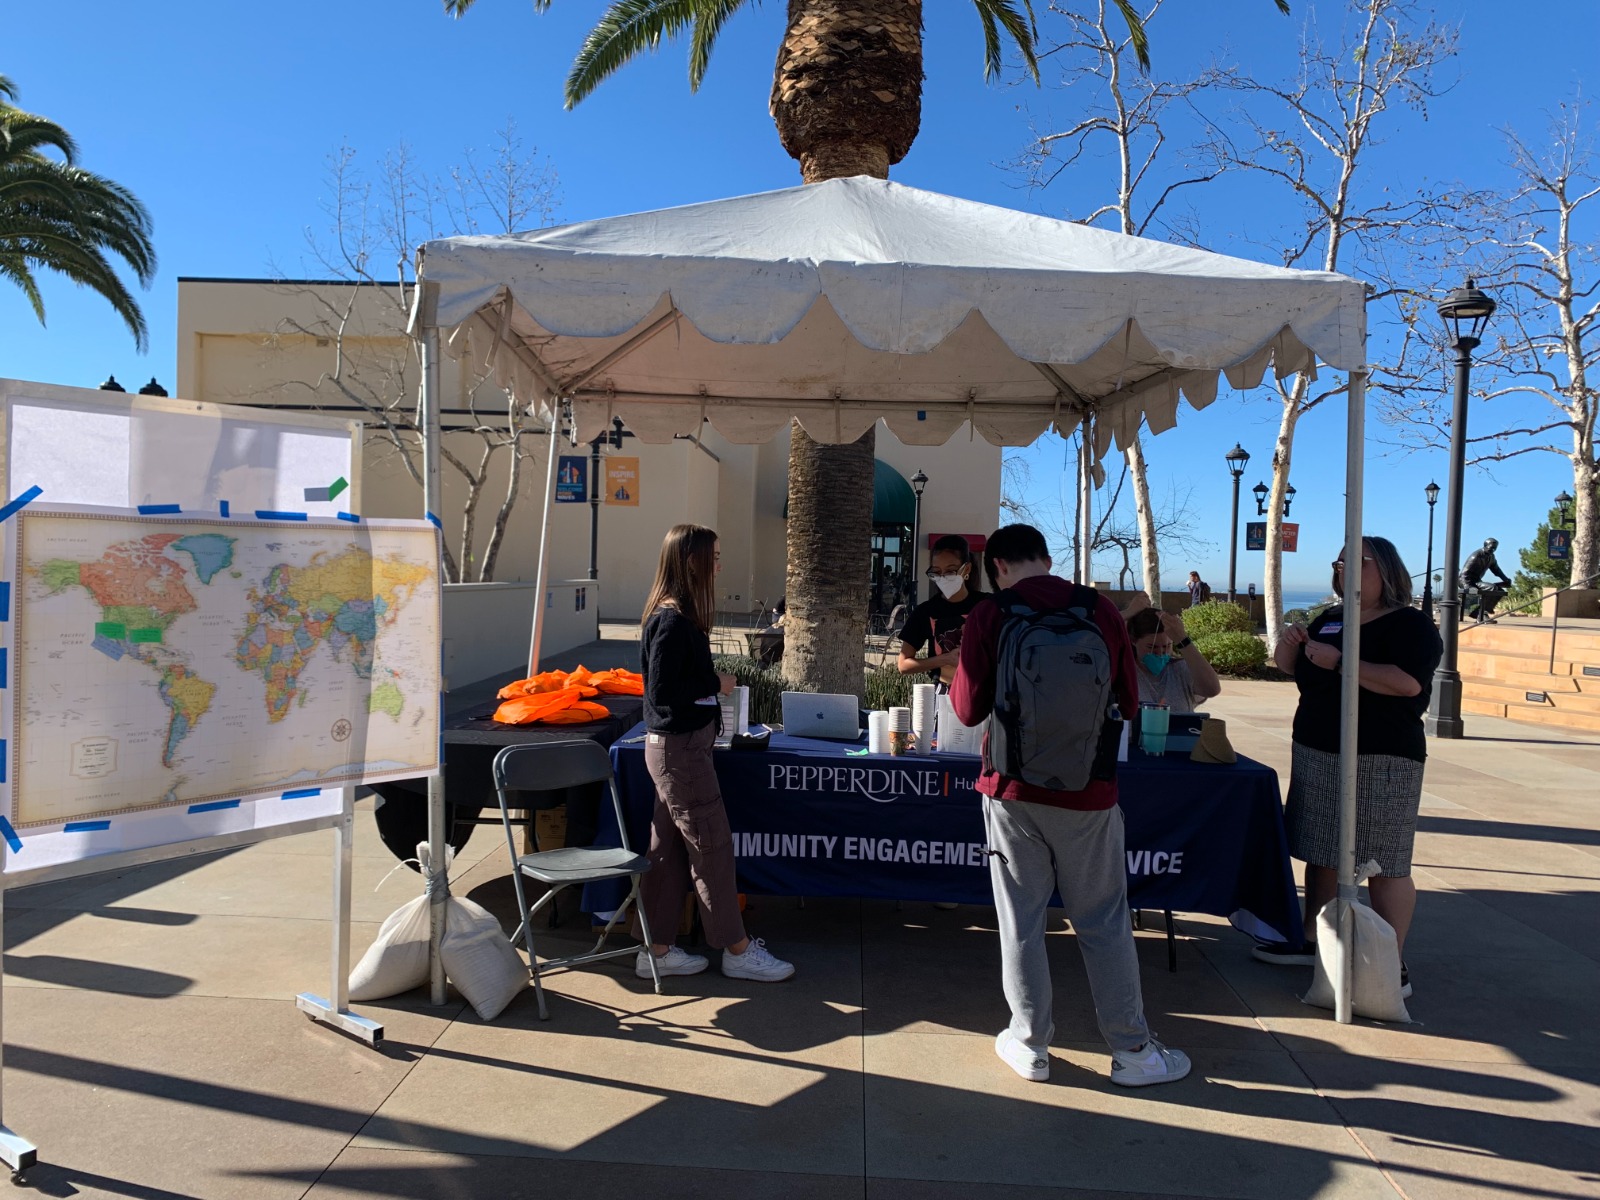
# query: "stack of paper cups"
899,730
878,733
924,712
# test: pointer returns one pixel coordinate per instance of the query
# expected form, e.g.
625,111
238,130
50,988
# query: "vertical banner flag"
1255,536
1557,544
1291,536
622,481
572,479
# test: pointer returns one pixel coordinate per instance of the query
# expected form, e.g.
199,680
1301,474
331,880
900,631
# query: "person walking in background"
1067,837
1400,649
937,622
1199,589
690,840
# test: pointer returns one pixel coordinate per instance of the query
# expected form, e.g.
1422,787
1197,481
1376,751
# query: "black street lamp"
918,482
1288,499
111,385
1465,312
1563,500
600,439
1238,458
1432,493
152,388
1260,493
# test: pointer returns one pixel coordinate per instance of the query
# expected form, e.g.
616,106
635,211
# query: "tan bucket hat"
1212,745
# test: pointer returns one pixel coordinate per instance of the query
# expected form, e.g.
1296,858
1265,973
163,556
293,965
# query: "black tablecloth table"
817,818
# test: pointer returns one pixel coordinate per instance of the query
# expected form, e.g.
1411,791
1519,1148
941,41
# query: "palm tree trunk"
847,100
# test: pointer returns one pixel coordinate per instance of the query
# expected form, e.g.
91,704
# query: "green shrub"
887,688
1233,652
766,686
1216,616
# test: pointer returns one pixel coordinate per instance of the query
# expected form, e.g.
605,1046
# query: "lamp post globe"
1465,313
1288,499
1562,501
1432,493
1237,459
111,385
1260,493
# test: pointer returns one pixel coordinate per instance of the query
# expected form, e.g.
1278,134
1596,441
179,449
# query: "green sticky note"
115,630
144,635
336,487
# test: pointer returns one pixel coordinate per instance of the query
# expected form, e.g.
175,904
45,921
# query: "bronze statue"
1480,563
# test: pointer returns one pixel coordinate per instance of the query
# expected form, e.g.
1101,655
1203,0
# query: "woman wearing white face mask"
936,623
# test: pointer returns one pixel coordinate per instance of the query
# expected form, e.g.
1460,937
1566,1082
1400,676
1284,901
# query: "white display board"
85,446
181,676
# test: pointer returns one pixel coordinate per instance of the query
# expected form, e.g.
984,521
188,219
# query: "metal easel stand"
336,1012
16,1151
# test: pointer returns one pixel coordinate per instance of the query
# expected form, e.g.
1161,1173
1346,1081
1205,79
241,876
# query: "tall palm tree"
846,100
57,216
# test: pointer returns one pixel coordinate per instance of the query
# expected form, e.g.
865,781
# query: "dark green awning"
893,501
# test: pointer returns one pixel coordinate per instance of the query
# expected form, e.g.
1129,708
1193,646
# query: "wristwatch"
1180,647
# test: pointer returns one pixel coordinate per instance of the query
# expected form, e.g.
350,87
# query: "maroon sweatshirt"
972,692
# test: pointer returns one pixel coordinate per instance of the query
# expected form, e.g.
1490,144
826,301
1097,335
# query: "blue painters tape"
112,650
150,510
10,835
267,514
301,794
22,501
344,516
223,505
213,806
437,524
922,414
85,826
5,675
4,760
5,601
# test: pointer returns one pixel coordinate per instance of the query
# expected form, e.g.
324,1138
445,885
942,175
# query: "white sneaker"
757,962
1151,1063
1031,1064
676,961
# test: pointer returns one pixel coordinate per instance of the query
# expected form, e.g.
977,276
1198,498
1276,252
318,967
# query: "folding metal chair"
548,766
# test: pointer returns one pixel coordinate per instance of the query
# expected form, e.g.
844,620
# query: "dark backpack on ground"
1052,701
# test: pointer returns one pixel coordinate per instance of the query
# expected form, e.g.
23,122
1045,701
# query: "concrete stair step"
1540,714
1571,643
1509,694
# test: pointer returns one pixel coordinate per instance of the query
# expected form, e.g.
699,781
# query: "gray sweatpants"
1044,849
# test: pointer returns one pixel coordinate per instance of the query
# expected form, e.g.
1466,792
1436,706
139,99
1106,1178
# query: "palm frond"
8,86
15,268
626,30
707,25
1137,37
998,15
25,133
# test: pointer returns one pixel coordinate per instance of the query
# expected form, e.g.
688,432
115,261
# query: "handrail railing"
1555,619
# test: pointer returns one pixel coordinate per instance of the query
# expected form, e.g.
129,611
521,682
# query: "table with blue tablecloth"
821,818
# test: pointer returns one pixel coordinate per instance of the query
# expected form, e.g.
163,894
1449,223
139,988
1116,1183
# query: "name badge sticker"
1331,627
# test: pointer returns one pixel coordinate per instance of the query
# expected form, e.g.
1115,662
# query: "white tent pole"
1085,563
542,578
1350,694
437,808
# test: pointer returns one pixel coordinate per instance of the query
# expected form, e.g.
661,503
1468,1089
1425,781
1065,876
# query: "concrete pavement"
153,1049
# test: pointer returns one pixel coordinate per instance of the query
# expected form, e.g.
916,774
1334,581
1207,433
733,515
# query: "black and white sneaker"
1284,955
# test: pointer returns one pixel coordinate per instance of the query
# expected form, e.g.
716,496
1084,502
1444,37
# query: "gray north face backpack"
1052,701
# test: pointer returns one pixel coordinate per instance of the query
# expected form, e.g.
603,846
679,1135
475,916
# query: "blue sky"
221,119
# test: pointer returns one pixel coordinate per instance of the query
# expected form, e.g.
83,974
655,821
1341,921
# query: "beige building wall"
331,347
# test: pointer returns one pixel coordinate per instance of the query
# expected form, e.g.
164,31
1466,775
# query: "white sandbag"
483,965
397,960
1375,981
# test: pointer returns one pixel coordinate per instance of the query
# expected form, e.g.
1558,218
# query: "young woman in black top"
690,842
937,623
1400,649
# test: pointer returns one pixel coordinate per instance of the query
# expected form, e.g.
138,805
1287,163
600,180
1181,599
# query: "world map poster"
169,660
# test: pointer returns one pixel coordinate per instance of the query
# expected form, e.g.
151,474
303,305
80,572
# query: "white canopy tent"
857,300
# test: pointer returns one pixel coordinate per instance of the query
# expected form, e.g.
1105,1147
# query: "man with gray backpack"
1049,664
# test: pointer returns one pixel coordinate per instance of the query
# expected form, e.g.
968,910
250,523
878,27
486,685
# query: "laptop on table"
821,715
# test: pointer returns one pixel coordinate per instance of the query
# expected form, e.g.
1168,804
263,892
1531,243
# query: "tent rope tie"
972,424
838,417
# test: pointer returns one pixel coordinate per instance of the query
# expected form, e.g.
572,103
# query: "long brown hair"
687,575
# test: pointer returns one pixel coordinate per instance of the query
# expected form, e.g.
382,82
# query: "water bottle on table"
1153,722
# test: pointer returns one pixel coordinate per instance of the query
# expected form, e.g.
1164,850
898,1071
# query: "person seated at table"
1172,671
936,623
690,840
